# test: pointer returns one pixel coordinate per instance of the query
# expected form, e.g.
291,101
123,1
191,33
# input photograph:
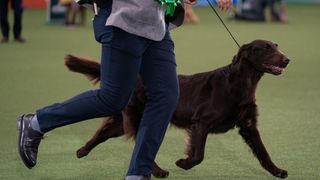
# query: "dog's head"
264,56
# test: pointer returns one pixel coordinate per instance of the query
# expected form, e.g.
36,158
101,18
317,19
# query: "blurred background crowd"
72,15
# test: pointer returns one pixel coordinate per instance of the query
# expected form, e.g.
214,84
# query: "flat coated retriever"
210,102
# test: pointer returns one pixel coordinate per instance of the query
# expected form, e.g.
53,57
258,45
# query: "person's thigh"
4,8
119,69
120,59
17,5
158,69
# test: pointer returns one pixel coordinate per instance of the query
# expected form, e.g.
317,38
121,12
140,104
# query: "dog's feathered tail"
89,68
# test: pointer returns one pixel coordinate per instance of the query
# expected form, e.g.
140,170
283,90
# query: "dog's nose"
286,61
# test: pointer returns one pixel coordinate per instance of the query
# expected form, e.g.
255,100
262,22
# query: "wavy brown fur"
210,102
84,66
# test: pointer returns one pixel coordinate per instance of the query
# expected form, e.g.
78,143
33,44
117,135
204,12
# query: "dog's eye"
257,49
268,46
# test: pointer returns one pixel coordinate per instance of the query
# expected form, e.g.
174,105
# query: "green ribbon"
170,6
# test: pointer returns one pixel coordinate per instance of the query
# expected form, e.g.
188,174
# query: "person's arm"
222,4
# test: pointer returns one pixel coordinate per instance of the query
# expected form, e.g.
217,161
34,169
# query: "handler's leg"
158,73
118,76
121,60
120,65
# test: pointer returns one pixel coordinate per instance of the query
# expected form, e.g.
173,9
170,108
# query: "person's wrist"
190,1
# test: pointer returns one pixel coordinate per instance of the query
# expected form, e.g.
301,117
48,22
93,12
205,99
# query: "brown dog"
210,102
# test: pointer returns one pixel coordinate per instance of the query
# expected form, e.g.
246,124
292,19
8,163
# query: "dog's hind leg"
111,127
252,138
195,147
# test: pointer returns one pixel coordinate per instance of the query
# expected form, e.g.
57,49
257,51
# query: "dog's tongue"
274,69
277,69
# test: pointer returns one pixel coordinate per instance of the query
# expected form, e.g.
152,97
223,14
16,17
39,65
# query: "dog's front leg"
158,172
195,150
252,137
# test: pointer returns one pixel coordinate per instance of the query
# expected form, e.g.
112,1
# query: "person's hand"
190,2
224,4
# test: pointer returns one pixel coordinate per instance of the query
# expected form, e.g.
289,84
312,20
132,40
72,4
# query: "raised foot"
29,140
184,164
82,152
281,174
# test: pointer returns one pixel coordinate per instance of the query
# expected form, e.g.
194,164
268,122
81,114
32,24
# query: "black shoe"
20,40
4,40
29,140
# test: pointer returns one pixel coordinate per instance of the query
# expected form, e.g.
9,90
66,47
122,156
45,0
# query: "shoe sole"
20,127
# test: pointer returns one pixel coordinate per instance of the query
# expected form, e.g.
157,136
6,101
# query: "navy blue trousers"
125,58
17,26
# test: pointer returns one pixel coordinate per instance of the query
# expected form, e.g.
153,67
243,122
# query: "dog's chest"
231,116
222,127
224,123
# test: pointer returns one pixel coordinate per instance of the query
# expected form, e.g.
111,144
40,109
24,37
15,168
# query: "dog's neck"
245,77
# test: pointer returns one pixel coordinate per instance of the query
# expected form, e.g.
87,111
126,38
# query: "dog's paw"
281,174
184,164
160,174
82,152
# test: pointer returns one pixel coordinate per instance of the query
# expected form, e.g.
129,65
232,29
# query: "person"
253,10
133,46
17,27
279,14
72,10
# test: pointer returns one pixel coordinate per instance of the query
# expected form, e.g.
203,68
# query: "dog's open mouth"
276,70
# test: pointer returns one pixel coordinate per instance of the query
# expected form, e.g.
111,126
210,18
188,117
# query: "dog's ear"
243,53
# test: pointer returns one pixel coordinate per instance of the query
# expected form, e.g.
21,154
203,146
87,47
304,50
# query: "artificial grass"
33,75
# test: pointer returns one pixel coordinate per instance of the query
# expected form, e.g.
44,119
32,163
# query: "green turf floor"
32,75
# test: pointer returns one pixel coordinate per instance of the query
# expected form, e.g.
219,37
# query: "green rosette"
170,6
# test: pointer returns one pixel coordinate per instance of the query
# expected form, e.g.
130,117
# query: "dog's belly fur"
222,125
